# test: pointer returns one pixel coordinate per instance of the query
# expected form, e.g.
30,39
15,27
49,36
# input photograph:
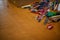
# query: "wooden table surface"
20,24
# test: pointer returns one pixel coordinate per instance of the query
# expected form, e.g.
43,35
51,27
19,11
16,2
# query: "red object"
49,26
42,11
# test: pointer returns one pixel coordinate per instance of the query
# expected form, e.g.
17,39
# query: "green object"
50,14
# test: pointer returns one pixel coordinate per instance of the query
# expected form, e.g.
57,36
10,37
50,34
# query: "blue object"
42,4
47,0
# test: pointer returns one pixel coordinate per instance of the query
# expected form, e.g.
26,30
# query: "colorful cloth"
59,7
42,4
50,14
42,12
